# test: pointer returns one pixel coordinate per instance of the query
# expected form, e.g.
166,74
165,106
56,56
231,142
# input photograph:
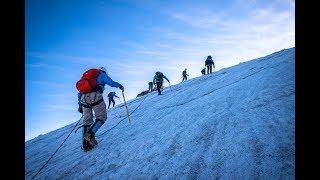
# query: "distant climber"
209,64
110,96
158,80
90,87
184,75
203,71
143,93
150,86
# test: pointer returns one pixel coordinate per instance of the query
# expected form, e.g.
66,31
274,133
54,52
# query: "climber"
209,64
203,71
158,80
110,96
184,75
150,86
90,87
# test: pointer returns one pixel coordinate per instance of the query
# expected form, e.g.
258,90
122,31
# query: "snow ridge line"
219,88
216,74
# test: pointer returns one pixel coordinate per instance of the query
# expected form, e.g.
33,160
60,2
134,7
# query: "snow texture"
236,123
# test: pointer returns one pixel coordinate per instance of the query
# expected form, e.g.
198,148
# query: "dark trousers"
150,88
209,68
111,100
159,85
184,78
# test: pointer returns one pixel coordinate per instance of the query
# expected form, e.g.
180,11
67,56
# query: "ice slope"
237,123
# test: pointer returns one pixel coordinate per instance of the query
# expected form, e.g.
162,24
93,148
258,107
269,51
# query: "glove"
80,109
121,87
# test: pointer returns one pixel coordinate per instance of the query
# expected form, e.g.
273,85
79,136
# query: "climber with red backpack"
91,87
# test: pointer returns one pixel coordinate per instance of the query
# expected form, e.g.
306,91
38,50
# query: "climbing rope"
56,150
81,126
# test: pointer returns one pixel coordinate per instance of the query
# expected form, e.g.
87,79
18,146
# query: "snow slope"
237,123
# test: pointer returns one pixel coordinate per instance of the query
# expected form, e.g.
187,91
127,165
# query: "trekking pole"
125,104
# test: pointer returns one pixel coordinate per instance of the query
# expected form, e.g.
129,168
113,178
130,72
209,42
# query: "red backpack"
88,81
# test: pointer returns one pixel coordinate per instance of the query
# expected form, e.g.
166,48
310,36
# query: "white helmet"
103,69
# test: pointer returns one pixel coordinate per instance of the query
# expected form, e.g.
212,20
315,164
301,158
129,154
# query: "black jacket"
209,62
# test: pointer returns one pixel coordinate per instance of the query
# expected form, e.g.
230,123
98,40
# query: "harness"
93,104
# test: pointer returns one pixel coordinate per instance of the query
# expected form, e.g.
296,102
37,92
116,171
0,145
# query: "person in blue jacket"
93,101
110,96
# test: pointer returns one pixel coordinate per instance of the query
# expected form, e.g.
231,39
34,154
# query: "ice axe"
125,104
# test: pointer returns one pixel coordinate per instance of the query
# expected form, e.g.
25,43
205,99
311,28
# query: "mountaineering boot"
86,143
89,136
86,146
89,140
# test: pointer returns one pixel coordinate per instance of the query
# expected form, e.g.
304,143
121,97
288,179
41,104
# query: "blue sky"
134,39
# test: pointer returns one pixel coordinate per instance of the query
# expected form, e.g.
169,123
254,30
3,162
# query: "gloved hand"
80,109
121,87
